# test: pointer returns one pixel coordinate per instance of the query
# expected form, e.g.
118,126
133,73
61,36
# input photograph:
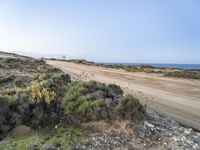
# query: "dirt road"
176,98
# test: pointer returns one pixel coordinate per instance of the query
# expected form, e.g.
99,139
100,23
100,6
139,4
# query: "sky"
142,31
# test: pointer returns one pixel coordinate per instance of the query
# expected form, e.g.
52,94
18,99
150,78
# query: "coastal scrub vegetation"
184,74
132,68
42,97
86,101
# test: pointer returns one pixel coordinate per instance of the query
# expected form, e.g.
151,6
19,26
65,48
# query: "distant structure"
63,57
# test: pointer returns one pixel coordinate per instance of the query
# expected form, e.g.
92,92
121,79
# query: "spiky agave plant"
41,94
43,100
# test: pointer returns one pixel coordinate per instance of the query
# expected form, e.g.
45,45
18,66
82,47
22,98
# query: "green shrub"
23,106
36,97
14,60
9,91
59,84
184,74
116,89
80,102
87,101
21,82
130,108
28,65
61,79
5,114
15,110
46,96
7,79
54,70
134,69
111,91
35,106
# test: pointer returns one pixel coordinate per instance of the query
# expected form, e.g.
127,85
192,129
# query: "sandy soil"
176,98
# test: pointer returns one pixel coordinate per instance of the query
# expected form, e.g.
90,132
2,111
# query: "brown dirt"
19,131
108,127
176,98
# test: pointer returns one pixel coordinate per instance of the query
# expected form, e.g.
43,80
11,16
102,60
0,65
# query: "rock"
48,147
19,131
188,131
157,132
149,124
4,142
34,147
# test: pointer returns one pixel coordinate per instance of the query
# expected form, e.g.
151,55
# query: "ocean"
178,66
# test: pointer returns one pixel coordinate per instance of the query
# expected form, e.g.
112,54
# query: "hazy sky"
104,30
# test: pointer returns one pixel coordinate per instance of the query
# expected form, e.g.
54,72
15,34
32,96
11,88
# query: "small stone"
149,124
48,147
176,139
188,131
4,142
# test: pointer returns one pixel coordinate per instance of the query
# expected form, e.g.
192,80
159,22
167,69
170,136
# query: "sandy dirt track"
176,98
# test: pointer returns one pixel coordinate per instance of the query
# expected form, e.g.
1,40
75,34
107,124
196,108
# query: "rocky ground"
157,132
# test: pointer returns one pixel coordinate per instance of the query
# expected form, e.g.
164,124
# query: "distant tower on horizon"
63,57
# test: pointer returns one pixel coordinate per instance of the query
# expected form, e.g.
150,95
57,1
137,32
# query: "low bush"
59,83
116,89
22,81
184,74
47,96
87,101
35,106
5,114
53,70
9,78
19,82
130,108
131,68
32,97
29,65
9,91
15,110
